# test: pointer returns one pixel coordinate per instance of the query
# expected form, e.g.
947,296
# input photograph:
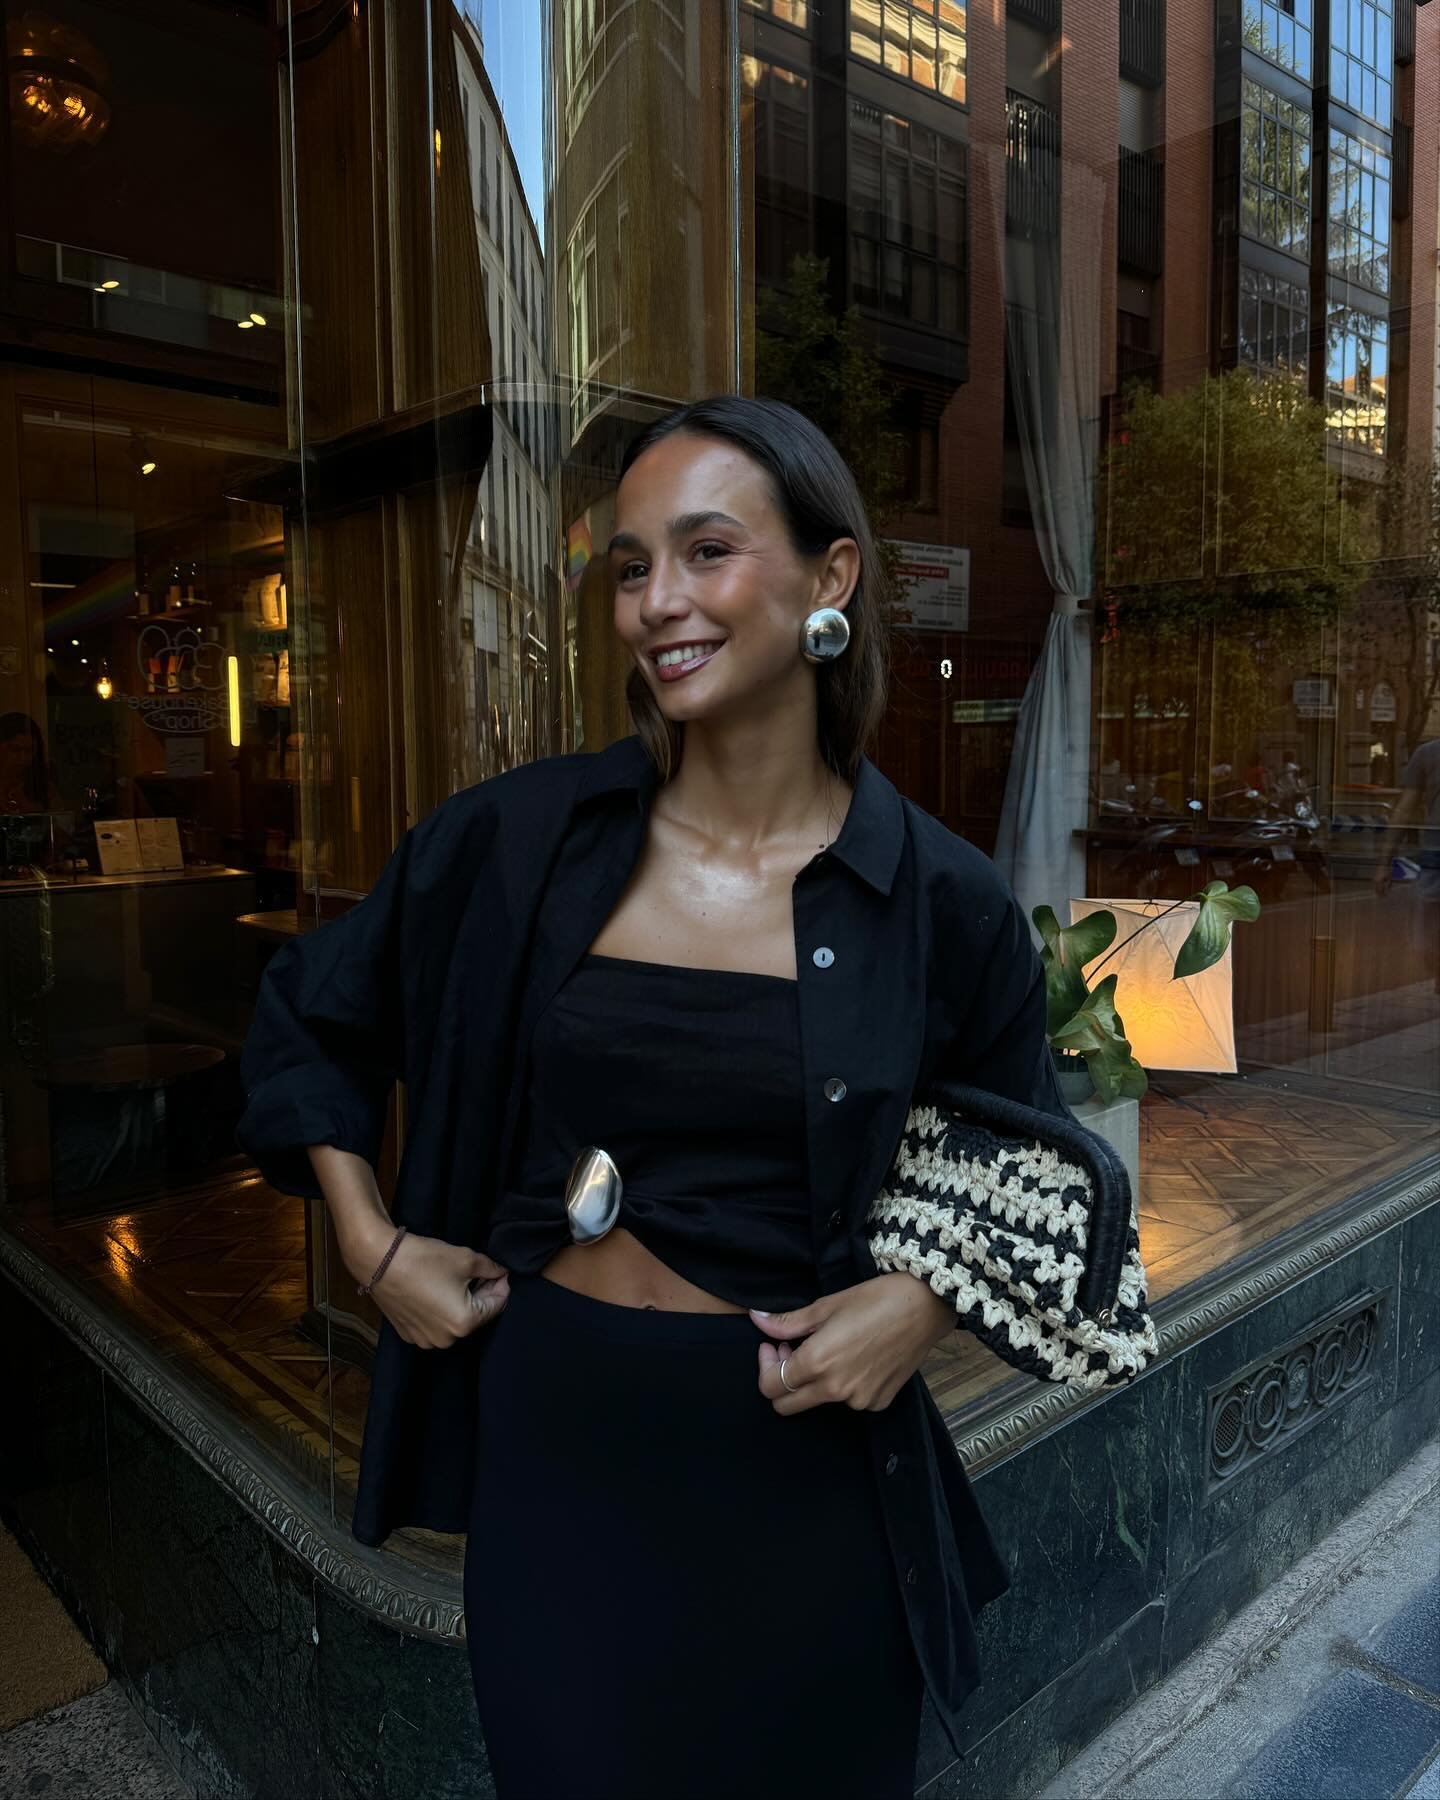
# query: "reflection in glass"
907,211
1362,57
1032,166
1280,33
334,555
1356,378
792,12
919,40
1274,324
780,102
1275,170
1359,212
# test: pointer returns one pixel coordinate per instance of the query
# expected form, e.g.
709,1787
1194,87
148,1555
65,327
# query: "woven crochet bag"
1024,1221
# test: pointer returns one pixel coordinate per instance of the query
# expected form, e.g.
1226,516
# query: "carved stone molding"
999,1424
433,1606
361,1576
1268,1405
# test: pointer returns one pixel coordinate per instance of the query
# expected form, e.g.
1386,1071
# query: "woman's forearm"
363,1228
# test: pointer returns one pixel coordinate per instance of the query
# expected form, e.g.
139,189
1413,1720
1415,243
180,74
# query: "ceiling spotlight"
245,324
75,642
257,318
148,468
84,659
107,287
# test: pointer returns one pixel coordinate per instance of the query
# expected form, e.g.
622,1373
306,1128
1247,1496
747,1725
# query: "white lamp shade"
1171,1024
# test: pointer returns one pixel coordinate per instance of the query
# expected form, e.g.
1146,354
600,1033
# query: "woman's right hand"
434,1293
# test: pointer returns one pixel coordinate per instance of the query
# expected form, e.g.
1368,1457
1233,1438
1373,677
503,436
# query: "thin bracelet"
384,1261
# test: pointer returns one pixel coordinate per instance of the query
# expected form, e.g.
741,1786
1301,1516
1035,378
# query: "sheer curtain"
1052,340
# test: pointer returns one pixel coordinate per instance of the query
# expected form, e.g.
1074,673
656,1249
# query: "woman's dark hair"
818,498
37,783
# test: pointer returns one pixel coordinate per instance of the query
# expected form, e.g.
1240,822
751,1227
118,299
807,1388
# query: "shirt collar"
870,840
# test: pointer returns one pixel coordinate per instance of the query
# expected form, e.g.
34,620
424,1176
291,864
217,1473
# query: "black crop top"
690,1079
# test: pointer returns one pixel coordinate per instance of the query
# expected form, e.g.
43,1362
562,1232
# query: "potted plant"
1086,1032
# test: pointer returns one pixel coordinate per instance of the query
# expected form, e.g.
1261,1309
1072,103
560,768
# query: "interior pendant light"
57,82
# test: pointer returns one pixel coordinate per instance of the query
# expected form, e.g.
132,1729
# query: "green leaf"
1097,1033
1067,950
1209,938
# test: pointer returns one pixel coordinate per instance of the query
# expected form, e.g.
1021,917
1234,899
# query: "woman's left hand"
860,1346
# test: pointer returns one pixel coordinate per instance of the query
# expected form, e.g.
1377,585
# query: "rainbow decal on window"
578,551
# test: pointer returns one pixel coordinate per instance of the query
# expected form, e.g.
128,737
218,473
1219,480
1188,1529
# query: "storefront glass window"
303,493
151,742
1128,423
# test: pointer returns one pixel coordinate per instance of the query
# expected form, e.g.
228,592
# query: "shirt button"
892,1463
835,1220
823,957
834,1088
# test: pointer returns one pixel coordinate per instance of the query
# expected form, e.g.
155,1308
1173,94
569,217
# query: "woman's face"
703,566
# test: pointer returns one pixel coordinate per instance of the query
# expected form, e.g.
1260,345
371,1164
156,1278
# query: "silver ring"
783,1382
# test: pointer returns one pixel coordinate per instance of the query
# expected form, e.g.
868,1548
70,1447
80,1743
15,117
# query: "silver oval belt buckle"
592,1195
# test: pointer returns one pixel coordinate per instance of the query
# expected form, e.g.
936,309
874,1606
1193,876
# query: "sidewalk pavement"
1326,1687
96,1748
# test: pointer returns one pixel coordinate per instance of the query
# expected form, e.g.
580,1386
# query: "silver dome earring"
824,635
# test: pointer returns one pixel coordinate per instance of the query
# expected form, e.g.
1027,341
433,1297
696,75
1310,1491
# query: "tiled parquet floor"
214,1278
1224,1168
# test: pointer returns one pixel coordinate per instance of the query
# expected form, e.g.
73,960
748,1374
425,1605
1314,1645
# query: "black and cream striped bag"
1024,1221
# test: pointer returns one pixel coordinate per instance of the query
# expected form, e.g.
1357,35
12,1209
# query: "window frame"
925,12
1284,117
902,251
1371,169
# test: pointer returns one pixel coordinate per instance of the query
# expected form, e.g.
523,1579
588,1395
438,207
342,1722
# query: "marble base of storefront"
273,1658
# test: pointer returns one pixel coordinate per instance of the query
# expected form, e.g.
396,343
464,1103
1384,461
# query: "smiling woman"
734,991
368,547
766,512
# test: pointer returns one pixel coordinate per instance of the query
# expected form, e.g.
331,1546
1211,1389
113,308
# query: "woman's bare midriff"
621,1270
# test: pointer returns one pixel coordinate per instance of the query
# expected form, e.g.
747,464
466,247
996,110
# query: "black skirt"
669,1588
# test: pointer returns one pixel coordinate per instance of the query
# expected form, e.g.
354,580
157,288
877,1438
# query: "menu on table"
132,846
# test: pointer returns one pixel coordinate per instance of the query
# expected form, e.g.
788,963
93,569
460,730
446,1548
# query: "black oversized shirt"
914,963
